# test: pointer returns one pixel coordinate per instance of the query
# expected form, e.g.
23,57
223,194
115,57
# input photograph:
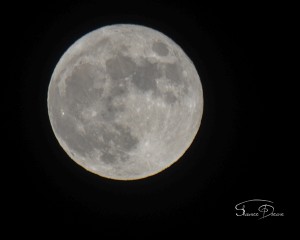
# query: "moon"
125,102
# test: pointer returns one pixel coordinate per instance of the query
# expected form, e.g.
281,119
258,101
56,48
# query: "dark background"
238,154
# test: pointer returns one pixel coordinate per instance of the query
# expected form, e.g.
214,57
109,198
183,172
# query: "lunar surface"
125,102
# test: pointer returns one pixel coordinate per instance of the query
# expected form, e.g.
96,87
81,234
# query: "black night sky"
237,154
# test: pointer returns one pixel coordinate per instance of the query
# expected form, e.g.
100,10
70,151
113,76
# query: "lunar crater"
160,48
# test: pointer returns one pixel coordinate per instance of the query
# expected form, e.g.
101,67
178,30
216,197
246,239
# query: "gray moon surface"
125,102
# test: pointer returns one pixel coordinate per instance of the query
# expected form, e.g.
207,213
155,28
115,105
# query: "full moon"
125,102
